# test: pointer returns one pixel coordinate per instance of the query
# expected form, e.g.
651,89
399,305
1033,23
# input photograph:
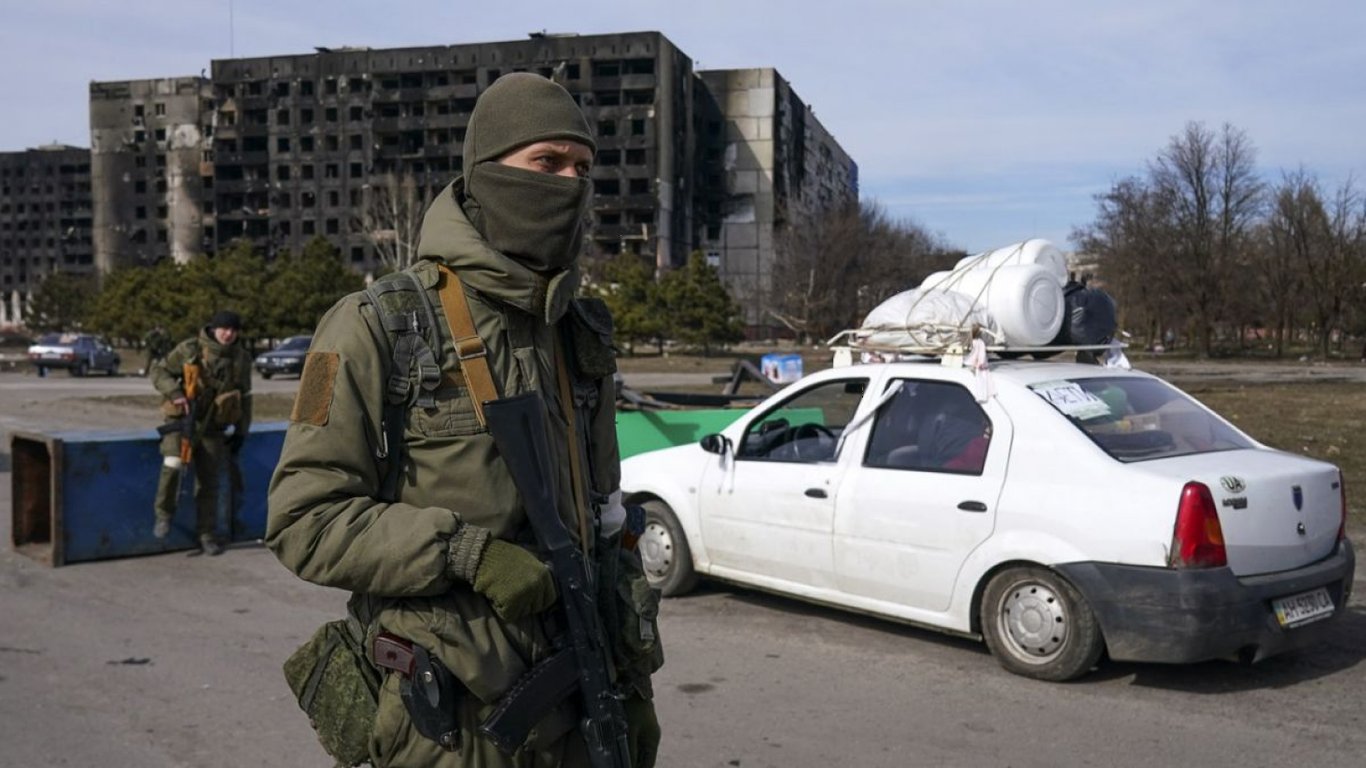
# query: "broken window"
333,227
331,171
309,227
306,144
282,89
308,200
357,141
355,113
331,143
306,171
356,170
330,114
333,198
609,157
159,109
607,98
140,212
330,86
137,110
282,173
572,71
357,253
640,96
305,116
640,186
282,117
611,219
282,144
638,127
635,157
606,69
606,187
607,127
306,88
140,187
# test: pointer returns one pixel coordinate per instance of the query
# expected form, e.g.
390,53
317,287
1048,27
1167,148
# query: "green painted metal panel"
641,431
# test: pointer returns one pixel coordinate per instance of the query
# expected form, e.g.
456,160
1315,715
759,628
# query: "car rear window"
1139,419
294,344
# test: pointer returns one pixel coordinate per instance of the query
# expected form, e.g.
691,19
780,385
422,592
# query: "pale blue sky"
985,122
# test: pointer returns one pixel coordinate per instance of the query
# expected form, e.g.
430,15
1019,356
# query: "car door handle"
815,493
972,506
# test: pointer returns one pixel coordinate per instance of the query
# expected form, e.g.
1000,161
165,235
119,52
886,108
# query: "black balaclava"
535,218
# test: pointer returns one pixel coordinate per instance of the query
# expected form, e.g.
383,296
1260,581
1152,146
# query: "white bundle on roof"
924,320
1013,294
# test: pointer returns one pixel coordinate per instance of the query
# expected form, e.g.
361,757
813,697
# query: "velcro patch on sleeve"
314,398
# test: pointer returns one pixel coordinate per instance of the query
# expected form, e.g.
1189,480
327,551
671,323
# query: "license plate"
1301,609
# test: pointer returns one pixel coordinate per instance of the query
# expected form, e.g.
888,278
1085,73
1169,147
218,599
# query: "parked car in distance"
287,357
1079,511
78,353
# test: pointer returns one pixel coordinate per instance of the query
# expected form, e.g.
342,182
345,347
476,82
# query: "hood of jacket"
449,237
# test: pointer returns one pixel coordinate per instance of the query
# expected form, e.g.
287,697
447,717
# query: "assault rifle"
518,428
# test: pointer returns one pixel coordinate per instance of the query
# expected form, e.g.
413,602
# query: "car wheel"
113,368
664,551
265,374
1038,625
79,369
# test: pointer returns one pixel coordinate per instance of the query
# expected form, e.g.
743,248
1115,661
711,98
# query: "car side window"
805,428
930,426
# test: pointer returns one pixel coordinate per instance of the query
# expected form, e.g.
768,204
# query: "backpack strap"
469,348
406,319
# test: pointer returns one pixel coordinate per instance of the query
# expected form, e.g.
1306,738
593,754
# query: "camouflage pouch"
630,611
590,335
338,688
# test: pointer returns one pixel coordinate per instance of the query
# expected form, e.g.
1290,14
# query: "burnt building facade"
350,144
150,173
767,162
46,218
338,142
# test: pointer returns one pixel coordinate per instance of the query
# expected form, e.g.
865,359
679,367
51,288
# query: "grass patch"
1323,420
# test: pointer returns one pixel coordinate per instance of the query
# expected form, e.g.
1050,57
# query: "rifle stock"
518,428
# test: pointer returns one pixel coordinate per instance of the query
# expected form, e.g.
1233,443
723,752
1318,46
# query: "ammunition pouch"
227,408
338,688
630,615
590,336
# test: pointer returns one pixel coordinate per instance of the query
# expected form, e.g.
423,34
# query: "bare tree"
391,218
1211,182
832,268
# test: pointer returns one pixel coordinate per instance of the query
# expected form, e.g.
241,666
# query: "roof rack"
950,344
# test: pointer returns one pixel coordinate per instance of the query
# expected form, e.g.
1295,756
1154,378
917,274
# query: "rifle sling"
469,348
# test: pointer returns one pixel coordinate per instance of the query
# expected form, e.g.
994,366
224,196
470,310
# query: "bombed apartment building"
149,143
766,162
45,221
351,143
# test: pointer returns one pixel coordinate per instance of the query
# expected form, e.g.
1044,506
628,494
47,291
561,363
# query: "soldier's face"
560,158
225,336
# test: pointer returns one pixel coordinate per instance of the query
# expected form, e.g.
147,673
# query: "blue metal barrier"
78,496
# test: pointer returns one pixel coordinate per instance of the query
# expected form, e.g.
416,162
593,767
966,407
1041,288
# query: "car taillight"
1198,540
1342,486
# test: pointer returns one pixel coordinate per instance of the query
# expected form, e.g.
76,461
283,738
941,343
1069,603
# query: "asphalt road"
172,660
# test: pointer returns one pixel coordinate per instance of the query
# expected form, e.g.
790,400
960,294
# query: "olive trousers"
206,465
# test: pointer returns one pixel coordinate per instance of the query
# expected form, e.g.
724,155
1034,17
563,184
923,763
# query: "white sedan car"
1077,511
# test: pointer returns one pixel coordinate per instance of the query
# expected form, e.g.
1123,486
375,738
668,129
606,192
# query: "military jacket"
223,371
326,521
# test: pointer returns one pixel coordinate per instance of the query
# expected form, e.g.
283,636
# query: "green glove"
642,731
514,581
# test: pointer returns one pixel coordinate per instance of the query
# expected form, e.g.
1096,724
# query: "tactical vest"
410,329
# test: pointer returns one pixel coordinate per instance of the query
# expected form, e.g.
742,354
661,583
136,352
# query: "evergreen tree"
60,302
698,309
304,286
628,287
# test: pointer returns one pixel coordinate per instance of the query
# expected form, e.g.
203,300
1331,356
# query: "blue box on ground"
781,369
79,496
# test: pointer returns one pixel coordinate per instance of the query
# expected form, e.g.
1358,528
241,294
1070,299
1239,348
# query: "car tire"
1038,625
265,374
664,551
79,369
113,368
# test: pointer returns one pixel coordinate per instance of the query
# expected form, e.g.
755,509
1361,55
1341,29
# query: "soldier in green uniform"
415,513
157,342
206,377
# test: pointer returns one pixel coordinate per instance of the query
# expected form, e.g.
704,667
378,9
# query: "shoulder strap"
405,320
469,348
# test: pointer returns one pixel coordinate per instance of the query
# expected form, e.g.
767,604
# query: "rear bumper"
273,367
1165,615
